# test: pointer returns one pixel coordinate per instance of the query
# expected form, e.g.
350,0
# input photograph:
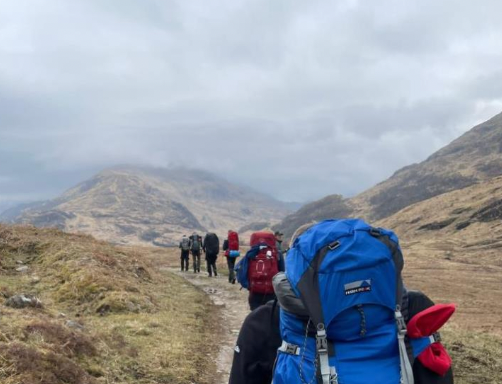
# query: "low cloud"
296,99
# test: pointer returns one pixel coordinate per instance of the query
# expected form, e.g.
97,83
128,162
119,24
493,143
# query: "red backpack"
233,241
265,266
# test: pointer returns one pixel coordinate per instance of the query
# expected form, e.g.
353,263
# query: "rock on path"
233,305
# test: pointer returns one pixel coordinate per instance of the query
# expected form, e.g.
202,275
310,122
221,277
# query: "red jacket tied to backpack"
264,266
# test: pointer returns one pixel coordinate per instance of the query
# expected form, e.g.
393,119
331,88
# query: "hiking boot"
233,281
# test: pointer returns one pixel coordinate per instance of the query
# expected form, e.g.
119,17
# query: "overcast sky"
299,99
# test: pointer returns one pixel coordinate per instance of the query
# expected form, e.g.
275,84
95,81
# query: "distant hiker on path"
185,253
211,247
195,248
231,247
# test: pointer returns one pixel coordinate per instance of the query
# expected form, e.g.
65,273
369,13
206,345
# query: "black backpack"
211,243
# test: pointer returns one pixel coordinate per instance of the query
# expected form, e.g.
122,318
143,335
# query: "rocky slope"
467,220
150,205
475,156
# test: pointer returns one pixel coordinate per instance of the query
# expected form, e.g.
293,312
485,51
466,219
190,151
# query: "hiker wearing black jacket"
211,247
259,340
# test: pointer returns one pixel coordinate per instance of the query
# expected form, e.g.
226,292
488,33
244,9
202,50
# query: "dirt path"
233,306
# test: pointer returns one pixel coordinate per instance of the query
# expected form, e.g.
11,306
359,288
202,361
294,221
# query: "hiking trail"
233,307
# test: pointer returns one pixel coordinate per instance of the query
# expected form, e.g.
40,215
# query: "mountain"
11,213
467,219
474,157
452,246
326,208
152,205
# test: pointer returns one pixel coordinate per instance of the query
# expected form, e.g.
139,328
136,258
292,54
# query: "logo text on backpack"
358,287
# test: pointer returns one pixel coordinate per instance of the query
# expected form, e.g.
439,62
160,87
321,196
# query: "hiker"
211,247
352,333
280,252
195,248
185,253
231,247
256,270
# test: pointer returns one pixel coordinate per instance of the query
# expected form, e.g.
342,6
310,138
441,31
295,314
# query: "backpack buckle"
321,340
401,323
435,338
375,232
292,349
289,348
334,245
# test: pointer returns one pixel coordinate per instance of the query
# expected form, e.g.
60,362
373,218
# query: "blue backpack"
341,299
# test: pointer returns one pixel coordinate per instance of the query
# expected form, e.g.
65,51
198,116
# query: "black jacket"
259,339
211,246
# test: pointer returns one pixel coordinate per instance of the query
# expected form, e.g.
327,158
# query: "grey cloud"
296,99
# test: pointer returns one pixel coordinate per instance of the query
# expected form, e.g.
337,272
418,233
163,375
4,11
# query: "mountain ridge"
473,157
136,204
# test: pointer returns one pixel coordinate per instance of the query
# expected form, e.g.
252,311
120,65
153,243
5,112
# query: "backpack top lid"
360,261
263,238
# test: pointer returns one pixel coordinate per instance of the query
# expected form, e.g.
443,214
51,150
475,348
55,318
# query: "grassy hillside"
452,245
474,157
468,221
107,315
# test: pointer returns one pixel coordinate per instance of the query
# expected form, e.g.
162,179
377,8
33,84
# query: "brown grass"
477,357
140,324
459,263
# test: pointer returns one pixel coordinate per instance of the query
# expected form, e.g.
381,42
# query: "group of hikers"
194,245
330,309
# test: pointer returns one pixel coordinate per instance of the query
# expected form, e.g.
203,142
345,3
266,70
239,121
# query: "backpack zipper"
360,309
